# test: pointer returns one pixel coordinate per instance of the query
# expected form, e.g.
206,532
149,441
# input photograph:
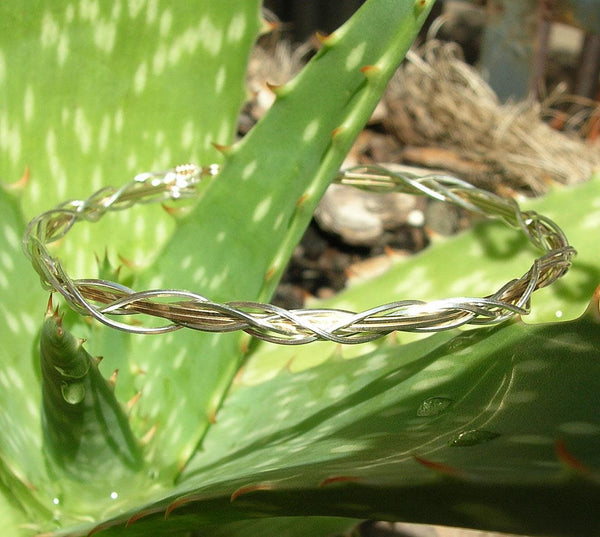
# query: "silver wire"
105,300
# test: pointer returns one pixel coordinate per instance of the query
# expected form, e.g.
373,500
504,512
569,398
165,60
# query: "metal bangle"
105,300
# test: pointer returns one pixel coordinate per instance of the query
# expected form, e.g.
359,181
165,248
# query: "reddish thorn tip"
145,440
277,89
370,70
172,211
126,262
49,307
438,467
137,516
564,455
338,479
324,39
248,489
269,274
223,149
132,402
301,200
335,133
112,380
178,503
20,184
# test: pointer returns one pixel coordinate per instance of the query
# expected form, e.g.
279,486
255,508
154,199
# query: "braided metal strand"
105,300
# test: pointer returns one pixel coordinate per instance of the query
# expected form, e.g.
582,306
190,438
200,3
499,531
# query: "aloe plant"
204,432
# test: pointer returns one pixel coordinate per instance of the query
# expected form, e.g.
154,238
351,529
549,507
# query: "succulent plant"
495,428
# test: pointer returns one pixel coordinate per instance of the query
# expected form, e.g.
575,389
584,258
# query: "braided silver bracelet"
105,300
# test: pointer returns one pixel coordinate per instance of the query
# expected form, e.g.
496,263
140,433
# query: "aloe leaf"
95,92
236,242
119,108
494,428
479,261
475,419
90,94
22,468
282,527
87,433
475,263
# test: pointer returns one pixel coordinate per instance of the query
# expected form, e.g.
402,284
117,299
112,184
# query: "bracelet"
105,300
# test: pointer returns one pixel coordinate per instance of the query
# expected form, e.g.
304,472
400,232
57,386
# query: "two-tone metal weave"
106,301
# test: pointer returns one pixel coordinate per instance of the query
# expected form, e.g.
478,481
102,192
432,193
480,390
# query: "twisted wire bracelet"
105,300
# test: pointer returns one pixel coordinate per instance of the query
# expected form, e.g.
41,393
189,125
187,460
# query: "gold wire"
104,300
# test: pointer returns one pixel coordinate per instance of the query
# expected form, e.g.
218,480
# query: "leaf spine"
19,186
371,72
247,489
225,150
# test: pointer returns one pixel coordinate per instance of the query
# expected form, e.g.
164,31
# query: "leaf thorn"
132,402
145,440
248,489
223,149
371,72
112,380
279,90
20,185
338,479
566,457
326,40
439,467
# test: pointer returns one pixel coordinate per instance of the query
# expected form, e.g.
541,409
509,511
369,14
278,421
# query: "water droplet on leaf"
472,438
73,392
434,406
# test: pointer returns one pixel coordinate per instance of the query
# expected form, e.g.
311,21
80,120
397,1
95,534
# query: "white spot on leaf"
151,11
105,33
7,261
139,79
249,169
119,120
310,131
88,10
580,428
2,67
211,36
262,209
237,27
159,61
186,262
104,134
187,134
69,13
28,104
50,30
134,7
166,21
220,79
83,130
355,57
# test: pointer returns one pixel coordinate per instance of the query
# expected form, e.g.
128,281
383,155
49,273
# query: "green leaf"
94,92
86,431
22,465
282,527
498,425
475,263
90,94
515,448
237,241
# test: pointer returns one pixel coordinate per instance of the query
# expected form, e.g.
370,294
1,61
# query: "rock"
360,218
